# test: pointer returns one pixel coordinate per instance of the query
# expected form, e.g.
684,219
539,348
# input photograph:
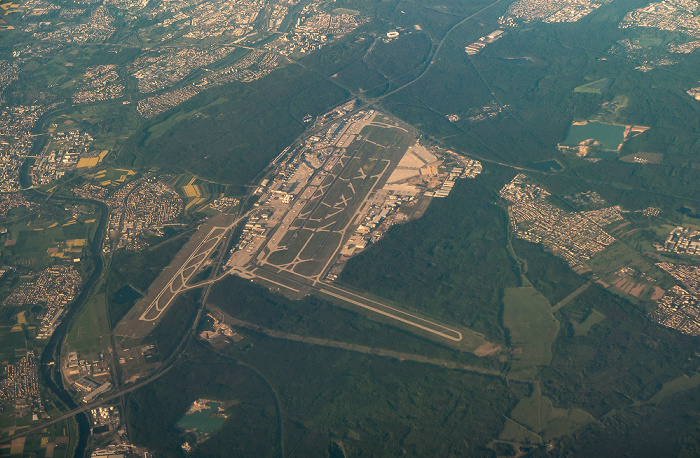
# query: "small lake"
603,154
547,166
202,421
687,211
608,135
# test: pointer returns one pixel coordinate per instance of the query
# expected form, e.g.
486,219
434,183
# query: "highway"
167,364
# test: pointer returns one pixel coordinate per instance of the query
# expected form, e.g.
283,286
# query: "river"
51,373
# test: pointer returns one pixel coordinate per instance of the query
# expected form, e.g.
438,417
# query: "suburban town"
574,236
679,308
19,387
253,66
138,209
669,15
313,30
54,288
164,68
147,208
16,138
10,201
99,83
97,28
548,11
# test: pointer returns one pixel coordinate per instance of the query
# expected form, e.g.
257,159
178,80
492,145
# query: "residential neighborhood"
574,236
53,289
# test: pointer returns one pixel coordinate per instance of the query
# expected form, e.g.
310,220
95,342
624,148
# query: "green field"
515,432
294,246
595,87
60,438
12,344
618,255
345,11
539,416
112,175
582,328
89,331
527,315
675,386
28,241
382,136
321,246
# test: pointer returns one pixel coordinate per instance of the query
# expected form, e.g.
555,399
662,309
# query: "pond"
609,136
200,418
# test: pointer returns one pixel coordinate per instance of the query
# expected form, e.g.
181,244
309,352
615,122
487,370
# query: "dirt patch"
657,294
643,158
488,349
17,446
637,290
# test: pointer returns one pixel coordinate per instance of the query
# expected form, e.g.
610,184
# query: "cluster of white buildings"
682,240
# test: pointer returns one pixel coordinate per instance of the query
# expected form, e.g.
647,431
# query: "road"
433,55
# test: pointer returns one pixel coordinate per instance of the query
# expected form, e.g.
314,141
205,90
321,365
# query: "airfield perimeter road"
401,356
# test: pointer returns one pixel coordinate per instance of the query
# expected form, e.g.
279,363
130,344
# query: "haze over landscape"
349,228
